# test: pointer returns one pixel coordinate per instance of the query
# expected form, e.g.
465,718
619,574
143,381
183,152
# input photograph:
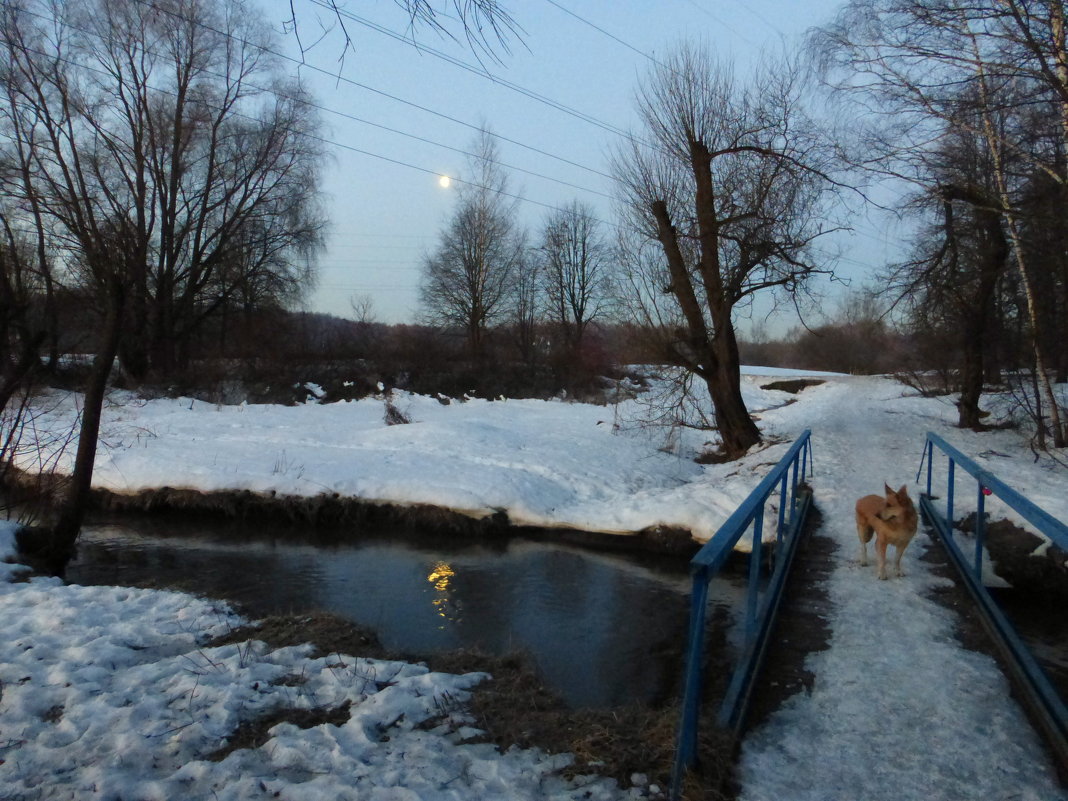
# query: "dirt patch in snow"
329,634
1042,576
254,733
1034,602
514,708
794,386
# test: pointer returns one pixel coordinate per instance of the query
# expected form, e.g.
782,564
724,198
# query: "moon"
444,181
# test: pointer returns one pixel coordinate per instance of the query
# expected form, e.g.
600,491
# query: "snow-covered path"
899,710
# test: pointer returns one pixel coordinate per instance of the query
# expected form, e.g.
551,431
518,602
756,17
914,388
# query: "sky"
384,204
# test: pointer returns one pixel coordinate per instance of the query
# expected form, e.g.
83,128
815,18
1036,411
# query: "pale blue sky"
384,216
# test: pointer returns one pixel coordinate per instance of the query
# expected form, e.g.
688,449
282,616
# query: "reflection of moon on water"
440,576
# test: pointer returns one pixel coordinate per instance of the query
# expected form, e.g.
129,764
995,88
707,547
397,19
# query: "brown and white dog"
891,520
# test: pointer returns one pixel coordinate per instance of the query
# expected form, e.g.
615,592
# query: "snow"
898,709
109,692
543,463
787,372
317,392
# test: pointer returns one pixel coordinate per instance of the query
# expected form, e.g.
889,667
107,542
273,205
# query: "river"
601,628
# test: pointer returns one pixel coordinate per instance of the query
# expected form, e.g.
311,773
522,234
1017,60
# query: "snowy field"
108,692
543,463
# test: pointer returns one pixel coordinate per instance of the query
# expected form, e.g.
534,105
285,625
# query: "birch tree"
933,69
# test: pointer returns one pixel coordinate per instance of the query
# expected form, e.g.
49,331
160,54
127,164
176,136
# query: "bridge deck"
899,707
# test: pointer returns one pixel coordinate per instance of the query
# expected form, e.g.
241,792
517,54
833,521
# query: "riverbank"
334,516
609,470
113,692
482,465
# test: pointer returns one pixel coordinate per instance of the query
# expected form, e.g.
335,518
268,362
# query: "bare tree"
467,281
22,333
165,178
527,307
935,69
485,25
21,284
727,181
215,146
575,259
950,285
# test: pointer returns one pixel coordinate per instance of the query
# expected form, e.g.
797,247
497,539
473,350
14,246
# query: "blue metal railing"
1048,708
761,605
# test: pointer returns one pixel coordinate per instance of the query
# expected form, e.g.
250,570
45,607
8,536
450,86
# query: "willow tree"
170,163
727,180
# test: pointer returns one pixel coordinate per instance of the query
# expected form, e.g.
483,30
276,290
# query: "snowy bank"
540,463
536,463
109,692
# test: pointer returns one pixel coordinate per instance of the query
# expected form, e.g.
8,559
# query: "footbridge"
898,707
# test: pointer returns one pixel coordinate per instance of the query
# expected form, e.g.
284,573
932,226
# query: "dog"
891,520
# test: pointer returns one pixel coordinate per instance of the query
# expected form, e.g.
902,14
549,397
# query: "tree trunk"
736,427
1059,327
53,548
971,383
474,342
977,320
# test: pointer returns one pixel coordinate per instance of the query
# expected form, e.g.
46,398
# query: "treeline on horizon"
265,355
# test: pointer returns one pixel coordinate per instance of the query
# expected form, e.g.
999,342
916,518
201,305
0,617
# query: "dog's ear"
904,491
887,489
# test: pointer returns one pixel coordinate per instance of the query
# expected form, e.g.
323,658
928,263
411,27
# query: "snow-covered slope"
543,463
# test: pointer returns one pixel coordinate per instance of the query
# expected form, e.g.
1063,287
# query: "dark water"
1040,623
601,629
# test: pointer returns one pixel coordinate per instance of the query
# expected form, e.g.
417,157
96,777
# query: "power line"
388,236
381,247
482,72
326,141
370,287
347,260
352,148
346,115
337,76
425,140
719,20
747,6
435,173
611,36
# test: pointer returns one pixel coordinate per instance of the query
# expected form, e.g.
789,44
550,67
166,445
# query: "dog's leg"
880,554
897,562
864,534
